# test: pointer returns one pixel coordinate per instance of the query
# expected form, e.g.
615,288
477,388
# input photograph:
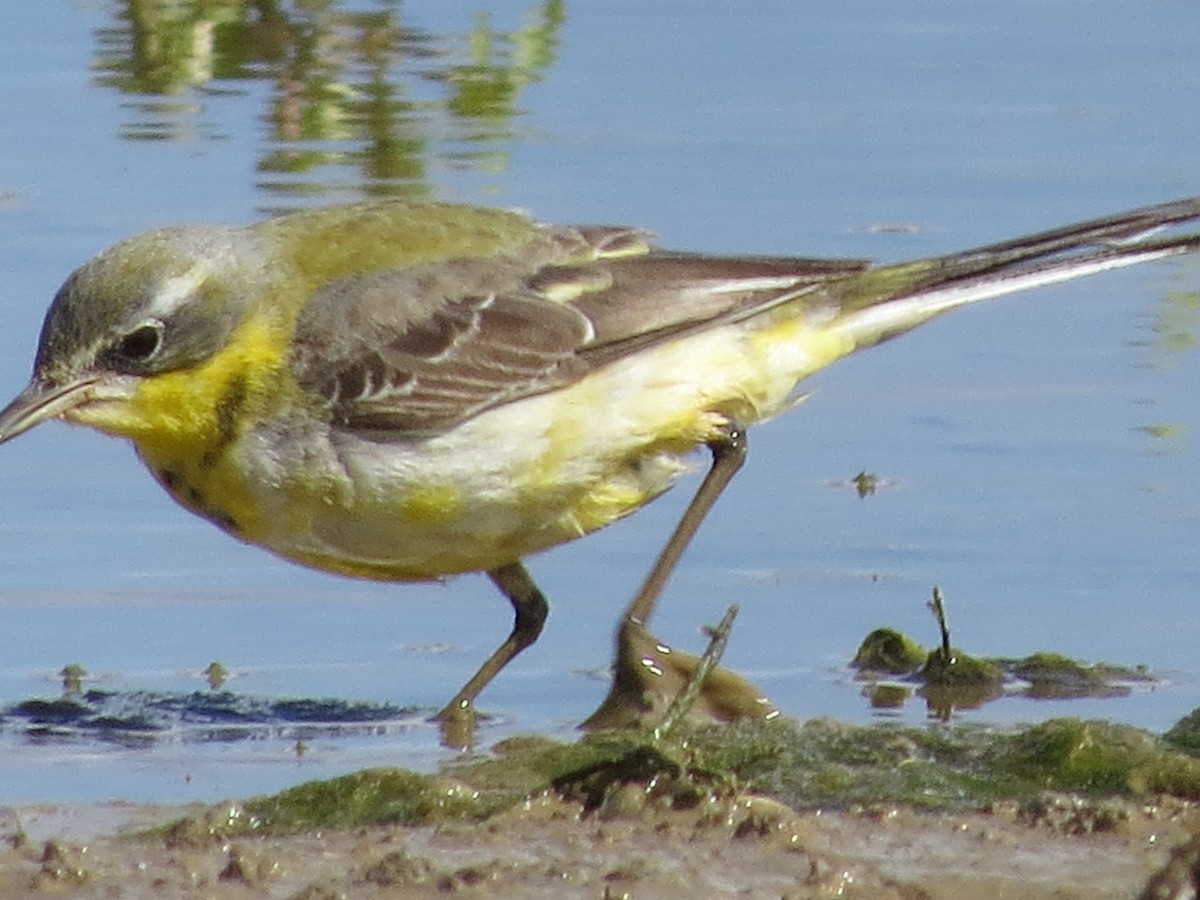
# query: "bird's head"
162,302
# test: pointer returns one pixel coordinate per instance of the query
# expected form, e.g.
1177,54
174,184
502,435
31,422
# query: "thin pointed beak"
41,401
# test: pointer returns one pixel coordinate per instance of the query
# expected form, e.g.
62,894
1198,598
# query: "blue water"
1039,453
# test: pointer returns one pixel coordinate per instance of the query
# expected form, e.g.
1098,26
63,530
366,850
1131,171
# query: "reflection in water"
356,101
1174,327
1173,334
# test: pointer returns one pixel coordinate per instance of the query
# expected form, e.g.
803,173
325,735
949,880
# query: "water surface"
1038,454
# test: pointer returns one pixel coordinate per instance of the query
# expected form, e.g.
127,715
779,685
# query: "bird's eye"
141,343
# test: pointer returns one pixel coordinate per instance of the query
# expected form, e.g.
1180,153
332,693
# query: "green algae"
820,764
1184,735
889,651
1097,757
366,798
958,669
370,797
952,679
832,765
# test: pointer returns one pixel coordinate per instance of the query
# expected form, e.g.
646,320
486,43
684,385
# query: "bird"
407,391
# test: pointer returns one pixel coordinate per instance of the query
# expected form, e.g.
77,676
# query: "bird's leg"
648,675
728,454
529,614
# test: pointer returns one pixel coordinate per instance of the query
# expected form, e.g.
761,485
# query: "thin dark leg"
728,455
647,676
530,610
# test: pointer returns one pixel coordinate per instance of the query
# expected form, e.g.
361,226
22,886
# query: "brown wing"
412,352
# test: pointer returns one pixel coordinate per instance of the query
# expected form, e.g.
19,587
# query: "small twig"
718,638
938,607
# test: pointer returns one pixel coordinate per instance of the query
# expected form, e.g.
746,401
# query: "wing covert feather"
406,353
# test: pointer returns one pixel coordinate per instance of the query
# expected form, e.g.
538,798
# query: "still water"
1038,455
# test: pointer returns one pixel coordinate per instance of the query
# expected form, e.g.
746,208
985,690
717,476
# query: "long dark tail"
889,300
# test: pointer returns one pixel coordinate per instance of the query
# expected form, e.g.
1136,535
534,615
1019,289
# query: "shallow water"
1038,454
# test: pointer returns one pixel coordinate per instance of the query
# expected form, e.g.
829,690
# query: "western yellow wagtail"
406,391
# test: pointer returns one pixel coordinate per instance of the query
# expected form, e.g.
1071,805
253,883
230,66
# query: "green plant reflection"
1170,330
353,100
